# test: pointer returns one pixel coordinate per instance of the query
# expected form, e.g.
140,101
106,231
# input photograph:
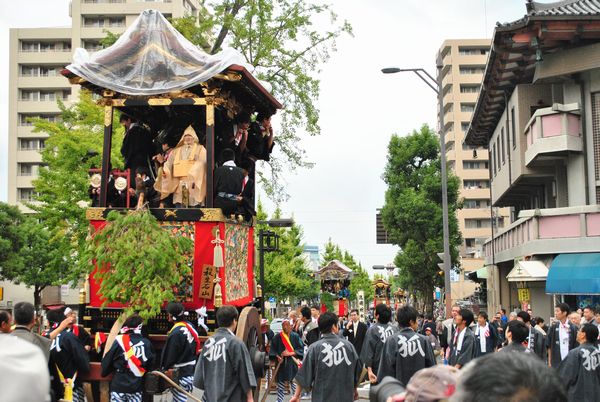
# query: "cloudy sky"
360,107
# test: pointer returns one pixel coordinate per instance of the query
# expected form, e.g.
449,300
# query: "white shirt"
481,331
563,336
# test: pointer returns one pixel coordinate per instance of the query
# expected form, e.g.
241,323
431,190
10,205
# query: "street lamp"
268,241
436,85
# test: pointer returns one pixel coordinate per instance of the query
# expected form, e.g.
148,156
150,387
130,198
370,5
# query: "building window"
472,70
502,144
49,71
464,126
470,165
494,159
25,194
27,169
47,47
476,203
469,88
467,147
514,128
92,46
475,184
31,144
467,107
467,51
28,95
30,46
497,148
47,96
93,22
116,22
477,223
24,119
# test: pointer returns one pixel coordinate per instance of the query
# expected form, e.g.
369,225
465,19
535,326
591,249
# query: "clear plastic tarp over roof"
151,58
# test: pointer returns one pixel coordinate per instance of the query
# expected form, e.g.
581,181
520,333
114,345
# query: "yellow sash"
68,384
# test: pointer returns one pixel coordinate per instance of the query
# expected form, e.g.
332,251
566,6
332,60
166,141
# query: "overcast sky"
360,107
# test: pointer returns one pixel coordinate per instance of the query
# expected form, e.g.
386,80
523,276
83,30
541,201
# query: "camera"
389,386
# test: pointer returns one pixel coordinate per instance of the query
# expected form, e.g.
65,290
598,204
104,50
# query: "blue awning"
574,274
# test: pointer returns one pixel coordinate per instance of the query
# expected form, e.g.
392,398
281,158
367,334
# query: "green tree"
139,263
33,258
280,39
412,213
286,273
73,147
11,240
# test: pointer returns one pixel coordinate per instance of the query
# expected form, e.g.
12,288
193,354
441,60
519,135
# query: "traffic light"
441,264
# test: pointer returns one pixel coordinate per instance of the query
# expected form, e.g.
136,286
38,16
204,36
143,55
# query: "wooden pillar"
210,151
106,148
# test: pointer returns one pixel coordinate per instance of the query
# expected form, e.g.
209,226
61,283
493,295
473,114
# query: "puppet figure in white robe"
184,173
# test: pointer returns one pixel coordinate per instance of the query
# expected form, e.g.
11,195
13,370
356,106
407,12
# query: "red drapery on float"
215,243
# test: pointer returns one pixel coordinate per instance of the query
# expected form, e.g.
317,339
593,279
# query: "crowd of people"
316,356
173,175
463,358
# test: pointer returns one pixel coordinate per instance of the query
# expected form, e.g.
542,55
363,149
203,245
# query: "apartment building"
539,117
37,55
463,64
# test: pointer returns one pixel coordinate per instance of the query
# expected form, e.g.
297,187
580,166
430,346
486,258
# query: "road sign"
272,300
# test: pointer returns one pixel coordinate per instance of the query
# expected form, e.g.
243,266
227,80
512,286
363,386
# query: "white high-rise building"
37,55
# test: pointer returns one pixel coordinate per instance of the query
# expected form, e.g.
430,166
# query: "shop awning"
478,275
528,271
574,274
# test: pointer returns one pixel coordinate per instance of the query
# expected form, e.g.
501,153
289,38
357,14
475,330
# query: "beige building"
36,58
463,63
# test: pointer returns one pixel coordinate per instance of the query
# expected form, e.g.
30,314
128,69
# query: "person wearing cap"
180,351
94,189
184,172
224,370
288,349
68,361
129,357
436,383
118,193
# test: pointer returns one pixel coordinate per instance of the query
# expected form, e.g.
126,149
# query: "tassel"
218,250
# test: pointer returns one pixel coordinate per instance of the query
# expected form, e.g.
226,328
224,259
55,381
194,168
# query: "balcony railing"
553,130
547,231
